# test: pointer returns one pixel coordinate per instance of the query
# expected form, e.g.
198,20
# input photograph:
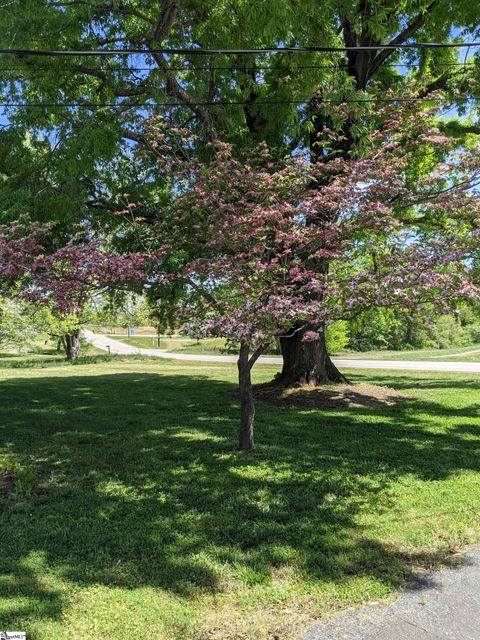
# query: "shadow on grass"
140,485
422,379
39,362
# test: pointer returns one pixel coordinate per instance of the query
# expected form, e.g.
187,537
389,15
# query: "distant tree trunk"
247,405
307,362
72,344
61,344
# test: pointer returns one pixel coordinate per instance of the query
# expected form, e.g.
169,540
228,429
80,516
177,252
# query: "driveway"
443,605
120,348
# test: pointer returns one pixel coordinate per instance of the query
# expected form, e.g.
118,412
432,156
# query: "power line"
219,103
231,68
213,52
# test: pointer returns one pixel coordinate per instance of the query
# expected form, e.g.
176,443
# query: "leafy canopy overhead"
145,79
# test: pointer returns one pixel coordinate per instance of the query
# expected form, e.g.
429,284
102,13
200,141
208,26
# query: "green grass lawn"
454,354
43,353
180,344
135,516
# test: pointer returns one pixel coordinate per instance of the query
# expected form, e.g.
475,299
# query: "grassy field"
179,345
217,346
455,354
134,516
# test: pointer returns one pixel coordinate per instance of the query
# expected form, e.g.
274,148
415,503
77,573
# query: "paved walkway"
120,348
445,605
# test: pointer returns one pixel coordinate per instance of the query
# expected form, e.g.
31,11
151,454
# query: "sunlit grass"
453,354
137,516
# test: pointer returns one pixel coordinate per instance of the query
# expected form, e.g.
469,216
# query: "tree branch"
129,134
206,294
458,128
96,73
120,92
165,20
174,89
401,38
255,355
106,7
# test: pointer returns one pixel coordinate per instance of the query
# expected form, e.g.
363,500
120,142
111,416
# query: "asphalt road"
443,605
119,348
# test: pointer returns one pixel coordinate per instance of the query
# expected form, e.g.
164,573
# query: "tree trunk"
247,405
307,362
61,343
72,345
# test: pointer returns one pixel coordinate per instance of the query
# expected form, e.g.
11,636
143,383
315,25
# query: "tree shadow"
139,484
423,379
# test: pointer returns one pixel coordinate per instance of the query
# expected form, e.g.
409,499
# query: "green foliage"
442,332
375,329
23,325
337,336
87,137
55,325
395,329
120,309
19,326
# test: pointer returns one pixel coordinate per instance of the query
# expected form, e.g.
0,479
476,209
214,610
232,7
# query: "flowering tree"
65,278
70,276
243,236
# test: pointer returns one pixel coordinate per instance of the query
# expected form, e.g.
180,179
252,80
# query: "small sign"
13,635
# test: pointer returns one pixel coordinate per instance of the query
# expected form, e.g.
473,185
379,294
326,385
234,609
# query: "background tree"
19,324
67,278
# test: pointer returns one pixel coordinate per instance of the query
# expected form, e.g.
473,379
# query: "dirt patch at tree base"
338,396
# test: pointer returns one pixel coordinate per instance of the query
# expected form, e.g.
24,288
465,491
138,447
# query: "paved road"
445,605
115,346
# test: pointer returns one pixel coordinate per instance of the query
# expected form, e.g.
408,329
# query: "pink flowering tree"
69,277
65,279
265,248
19,244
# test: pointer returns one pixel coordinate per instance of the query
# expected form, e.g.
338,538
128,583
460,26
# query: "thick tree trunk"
307,362
247,405
72,345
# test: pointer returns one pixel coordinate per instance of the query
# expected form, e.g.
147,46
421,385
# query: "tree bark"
61,343
72,345
307,362
247,405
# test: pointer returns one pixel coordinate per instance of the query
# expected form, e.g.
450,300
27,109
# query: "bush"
376,329
474,333
395,329
17,326
337,336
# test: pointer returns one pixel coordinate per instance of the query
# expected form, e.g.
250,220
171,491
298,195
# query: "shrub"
337,336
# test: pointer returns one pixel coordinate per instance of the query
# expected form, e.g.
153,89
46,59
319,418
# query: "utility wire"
220,103
213,52
229,68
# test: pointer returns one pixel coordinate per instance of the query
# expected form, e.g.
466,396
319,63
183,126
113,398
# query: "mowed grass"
135,516
454,354
216,346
